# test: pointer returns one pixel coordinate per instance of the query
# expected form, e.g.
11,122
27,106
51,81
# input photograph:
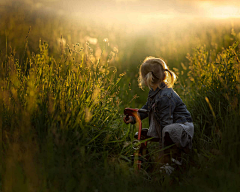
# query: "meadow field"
65,82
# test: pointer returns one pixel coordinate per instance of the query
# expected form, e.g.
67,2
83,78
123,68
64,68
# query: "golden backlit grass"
69,102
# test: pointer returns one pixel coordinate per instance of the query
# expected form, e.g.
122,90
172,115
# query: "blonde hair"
155,71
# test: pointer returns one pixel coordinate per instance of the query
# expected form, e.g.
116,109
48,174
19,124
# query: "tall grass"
53,111
213,98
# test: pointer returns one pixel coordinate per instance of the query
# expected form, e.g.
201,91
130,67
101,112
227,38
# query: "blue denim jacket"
167,106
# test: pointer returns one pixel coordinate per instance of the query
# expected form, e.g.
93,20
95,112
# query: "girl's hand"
128,119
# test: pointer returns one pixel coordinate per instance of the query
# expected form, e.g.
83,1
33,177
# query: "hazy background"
136,12
136,28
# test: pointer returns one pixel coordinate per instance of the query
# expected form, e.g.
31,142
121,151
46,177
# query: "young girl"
169,119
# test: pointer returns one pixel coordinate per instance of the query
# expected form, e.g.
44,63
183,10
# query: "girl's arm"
144,115
141,115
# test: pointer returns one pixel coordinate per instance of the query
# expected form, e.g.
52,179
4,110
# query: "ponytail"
149,79
170,81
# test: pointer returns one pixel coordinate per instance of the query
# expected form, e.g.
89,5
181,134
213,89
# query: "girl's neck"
154,87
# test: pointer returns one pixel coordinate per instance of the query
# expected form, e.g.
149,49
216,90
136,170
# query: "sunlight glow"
137,14
225,12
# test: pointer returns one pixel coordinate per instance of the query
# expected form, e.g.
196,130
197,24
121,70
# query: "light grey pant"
180,133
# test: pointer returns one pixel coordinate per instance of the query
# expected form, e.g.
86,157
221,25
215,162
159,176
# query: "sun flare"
225,12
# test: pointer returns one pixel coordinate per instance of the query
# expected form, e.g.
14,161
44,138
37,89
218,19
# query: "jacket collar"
152,93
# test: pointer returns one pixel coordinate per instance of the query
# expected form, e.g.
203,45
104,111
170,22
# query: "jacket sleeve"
142,115
164,111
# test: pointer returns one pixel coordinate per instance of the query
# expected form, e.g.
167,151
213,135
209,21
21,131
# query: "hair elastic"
154,75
